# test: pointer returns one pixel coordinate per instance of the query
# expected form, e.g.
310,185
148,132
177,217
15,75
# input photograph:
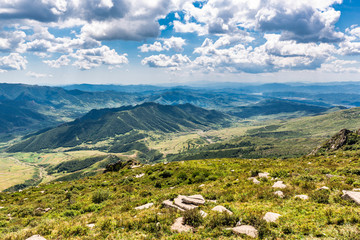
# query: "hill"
100,125
103,206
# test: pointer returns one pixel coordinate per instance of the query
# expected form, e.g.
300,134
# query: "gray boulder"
247,230
271,217
352,196
221,209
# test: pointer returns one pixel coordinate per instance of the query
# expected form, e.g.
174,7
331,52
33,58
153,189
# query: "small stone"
264,175
221,209
324,188
36,237
140,175
90,225
203,214
42,192
352,196
212,201
256,181
145,206
171,188
202,185
271,217
303,197
2,207
280,194
279,184
247,230
178,226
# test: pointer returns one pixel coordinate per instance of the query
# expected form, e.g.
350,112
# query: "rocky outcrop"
115,167
342,138
184,203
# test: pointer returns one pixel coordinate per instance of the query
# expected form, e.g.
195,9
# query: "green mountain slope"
102,124
103,206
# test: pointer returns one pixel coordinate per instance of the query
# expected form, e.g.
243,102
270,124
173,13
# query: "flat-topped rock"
264,175
145,206
247,230
180,203
271,217
280,194
279,184
193,199
221,209
302,197
178,226
352,196
170,204
36,237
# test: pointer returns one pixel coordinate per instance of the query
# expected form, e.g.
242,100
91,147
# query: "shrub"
193,217
222,219
100,196
321,196
165,174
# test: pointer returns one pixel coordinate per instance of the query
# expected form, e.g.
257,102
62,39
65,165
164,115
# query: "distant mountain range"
103,124
37,107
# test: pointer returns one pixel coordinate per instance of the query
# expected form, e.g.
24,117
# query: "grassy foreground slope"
108,201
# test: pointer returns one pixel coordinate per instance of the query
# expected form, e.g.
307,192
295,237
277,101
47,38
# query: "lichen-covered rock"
280,194
247,230
145,206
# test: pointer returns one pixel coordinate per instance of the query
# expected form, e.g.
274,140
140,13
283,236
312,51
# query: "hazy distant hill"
105,123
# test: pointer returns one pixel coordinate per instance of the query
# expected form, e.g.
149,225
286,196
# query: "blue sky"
62,42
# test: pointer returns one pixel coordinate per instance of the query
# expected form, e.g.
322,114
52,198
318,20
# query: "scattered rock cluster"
183,203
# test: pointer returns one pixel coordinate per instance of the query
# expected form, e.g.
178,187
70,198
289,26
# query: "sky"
60,42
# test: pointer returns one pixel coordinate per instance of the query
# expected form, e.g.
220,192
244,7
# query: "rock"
330,175
179,201
170,204
178,226
140,175
271,217
247,230
256,181
2,207
203,214
264,175
356,190
90,225
303,197
221,209
145,206
36,237
202,185
194,199
171,188
279,184
212,201
280,194
324,188
352,196
42,192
